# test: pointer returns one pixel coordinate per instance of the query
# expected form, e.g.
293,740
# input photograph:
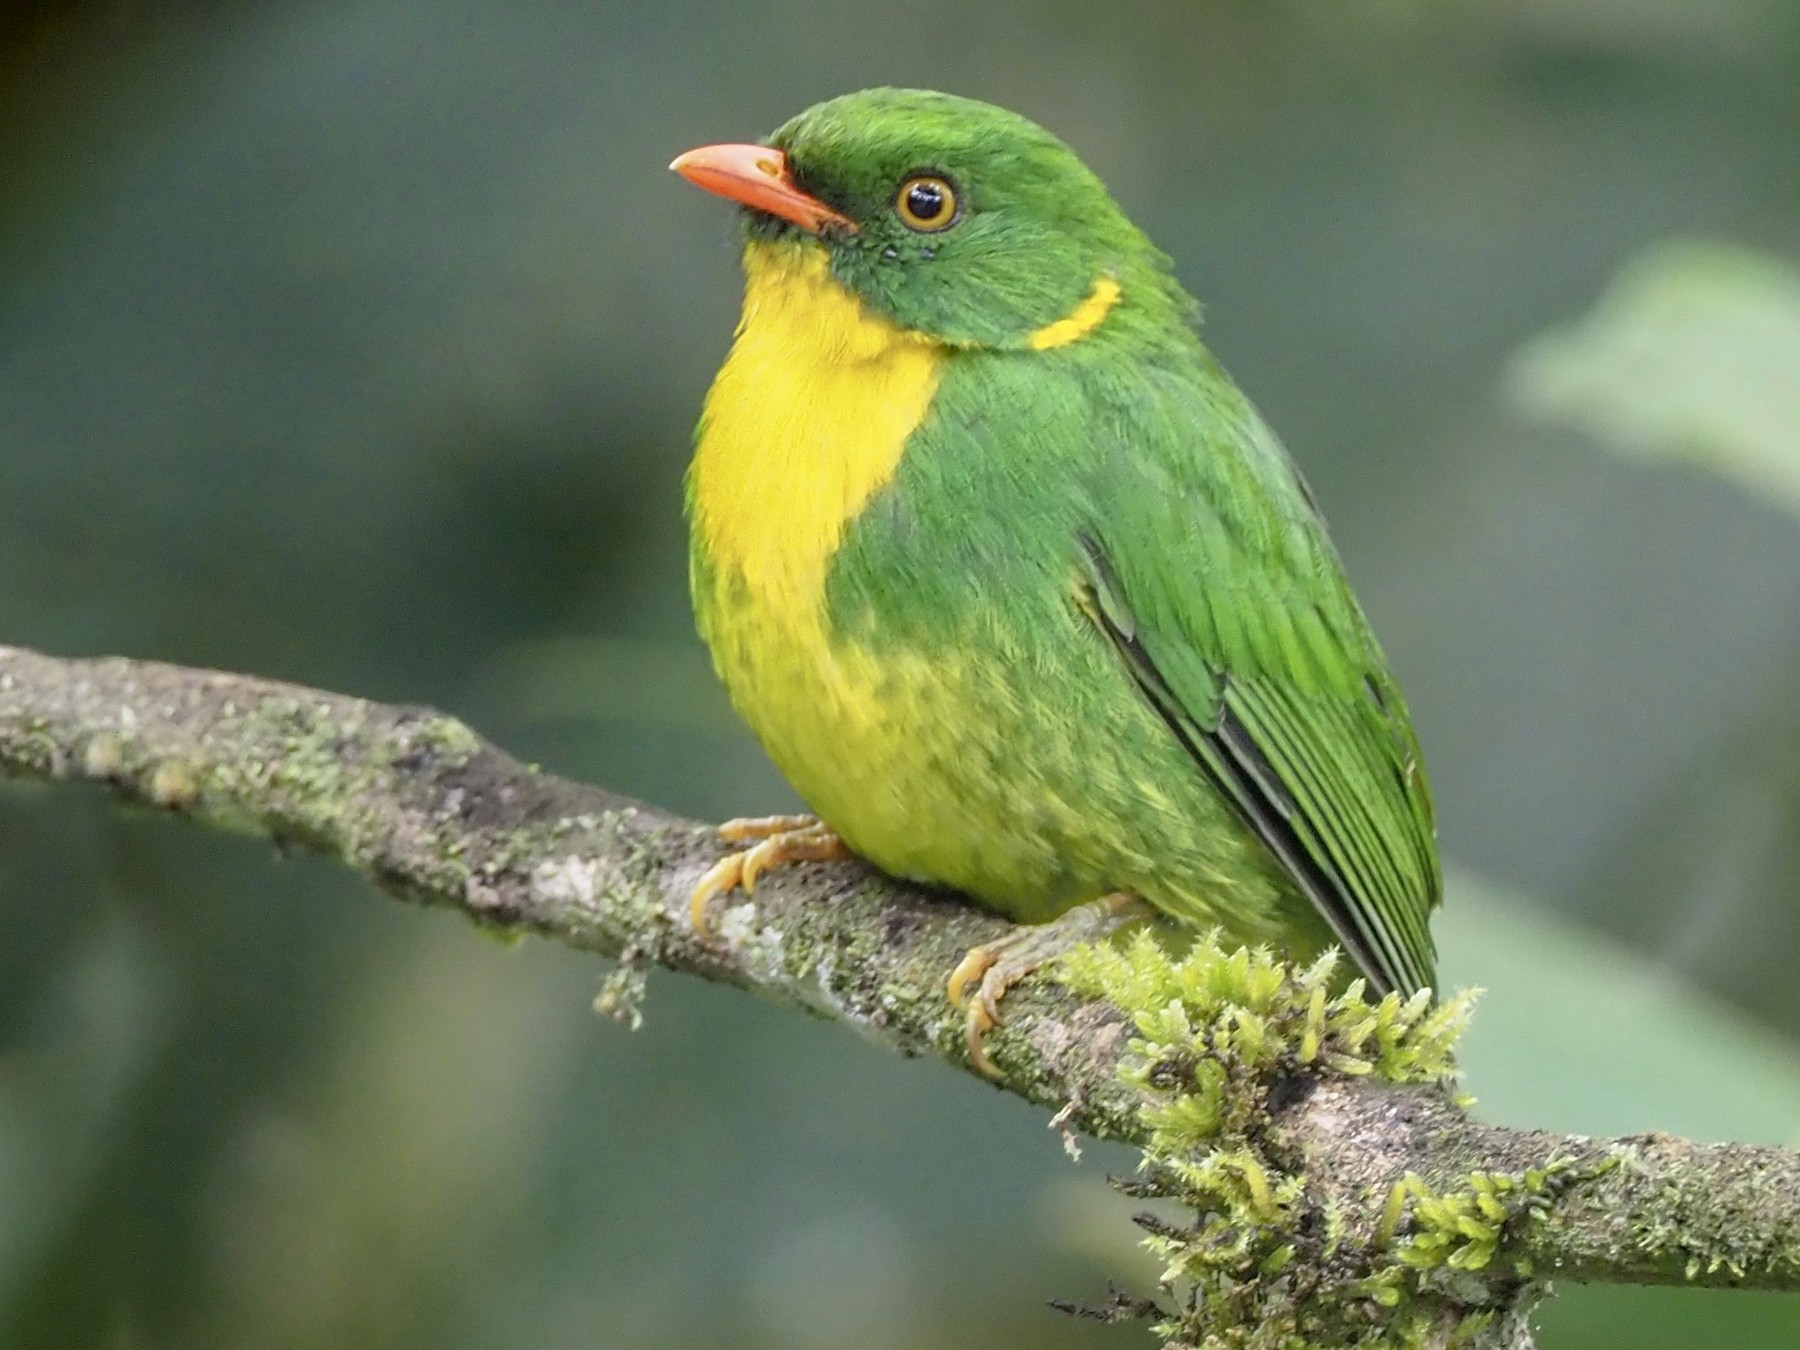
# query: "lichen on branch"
1340,1192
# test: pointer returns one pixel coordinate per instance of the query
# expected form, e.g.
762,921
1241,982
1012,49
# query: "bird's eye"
925,202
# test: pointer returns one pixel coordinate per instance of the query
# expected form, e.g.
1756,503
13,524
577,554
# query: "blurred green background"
358,343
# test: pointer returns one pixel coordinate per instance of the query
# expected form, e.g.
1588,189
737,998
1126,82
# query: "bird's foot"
985,973
779,839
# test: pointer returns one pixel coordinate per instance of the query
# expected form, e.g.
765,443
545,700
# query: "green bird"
1014,585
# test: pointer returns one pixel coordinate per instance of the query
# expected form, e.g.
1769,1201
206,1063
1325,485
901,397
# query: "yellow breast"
805,422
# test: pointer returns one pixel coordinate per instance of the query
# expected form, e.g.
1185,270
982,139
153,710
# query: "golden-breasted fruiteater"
1015,586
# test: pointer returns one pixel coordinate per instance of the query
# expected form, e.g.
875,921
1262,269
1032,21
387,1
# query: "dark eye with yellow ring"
925,202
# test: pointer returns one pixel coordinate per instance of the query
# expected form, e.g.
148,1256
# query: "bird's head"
950,217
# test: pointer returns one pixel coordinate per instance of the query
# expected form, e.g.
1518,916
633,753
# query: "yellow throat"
806,420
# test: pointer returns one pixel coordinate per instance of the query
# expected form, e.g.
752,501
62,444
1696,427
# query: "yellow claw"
765,855
781,839
985,973
969,970
721,877
977,996
761,827
980,1021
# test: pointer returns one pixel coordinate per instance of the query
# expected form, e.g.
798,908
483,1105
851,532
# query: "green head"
949,216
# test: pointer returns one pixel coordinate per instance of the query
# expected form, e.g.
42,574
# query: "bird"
1016,588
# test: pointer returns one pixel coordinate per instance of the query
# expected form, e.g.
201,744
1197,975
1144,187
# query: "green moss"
1464,1229
1223,1031
1220,1016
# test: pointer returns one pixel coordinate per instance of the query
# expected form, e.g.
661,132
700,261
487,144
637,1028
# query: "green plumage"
1124,655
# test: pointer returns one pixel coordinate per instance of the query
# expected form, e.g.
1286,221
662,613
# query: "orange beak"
758,177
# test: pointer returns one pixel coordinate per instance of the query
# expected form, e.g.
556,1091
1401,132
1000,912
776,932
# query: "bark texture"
431,813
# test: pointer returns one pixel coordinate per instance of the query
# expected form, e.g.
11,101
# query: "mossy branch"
1342,1196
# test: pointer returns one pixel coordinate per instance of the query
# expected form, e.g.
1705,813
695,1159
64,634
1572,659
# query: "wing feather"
1228,606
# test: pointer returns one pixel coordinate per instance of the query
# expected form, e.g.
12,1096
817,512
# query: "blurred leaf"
1578,1033
1692,354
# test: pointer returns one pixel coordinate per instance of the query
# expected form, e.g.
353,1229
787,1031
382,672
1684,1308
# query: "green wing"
1209,570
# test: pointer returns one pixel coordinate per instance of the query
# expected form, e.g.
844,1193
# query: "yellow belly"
806,421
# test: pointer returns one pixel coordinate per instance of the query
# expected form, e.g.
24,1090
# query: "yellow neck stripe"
1081,320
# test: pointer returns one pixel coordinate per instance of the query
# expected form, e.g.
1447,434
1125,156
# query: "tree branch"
431,813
